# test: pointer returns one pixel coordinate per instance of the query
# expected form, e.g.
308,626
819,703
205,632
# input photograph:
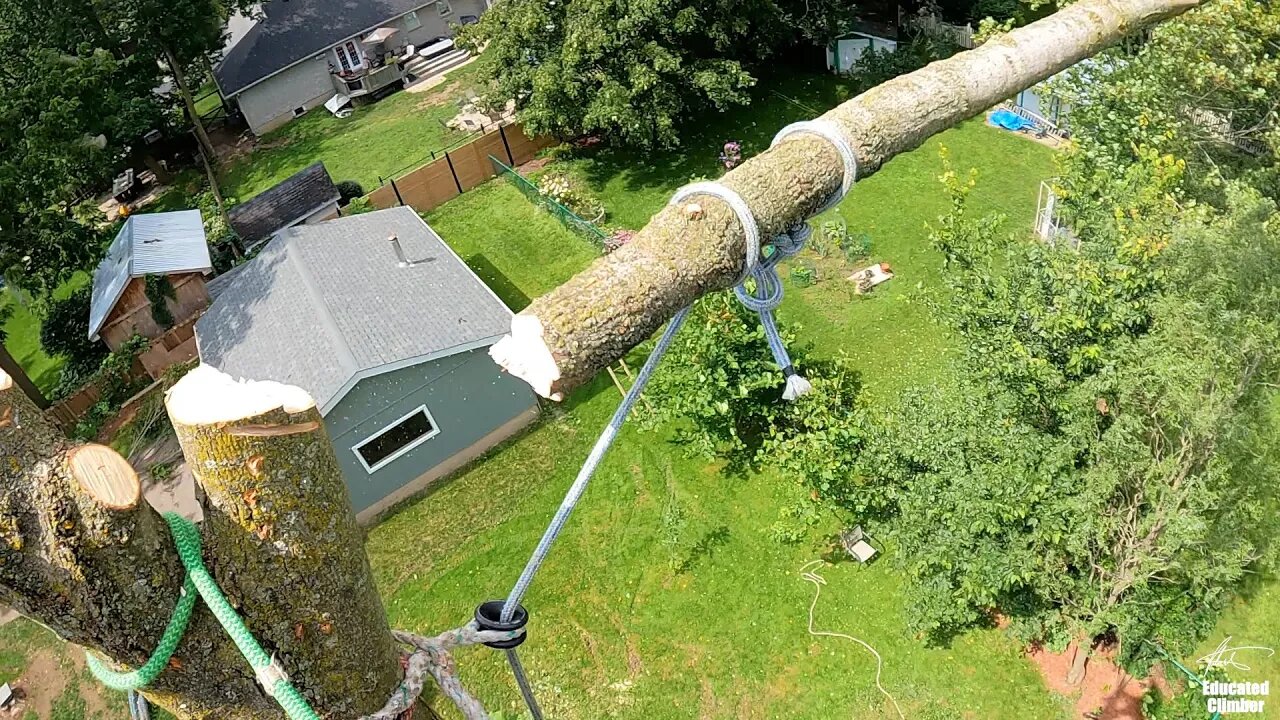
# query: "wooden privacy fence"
457,171
176,346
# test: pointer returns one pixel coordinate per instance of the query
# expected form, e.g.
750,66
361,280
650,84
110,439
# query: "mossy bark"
282,541
622,299
105,579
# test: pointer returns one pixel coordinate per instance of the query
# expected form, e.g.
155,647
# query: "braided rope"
267,668
159,660
763,299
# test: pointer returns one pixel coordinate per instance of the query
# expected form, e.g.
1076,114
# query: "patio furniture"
855,542
125,187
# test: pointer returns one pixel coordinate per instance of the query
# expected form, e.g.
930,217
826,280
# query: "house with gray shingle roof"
297,54
388,329
307,196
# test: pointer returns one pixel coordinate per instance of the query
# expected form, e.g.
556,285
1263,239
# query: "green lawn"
24,337
665,597
387,138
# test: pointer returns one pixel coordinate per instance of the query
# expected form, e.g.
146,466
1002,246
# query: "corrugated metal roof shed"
325,306
149,244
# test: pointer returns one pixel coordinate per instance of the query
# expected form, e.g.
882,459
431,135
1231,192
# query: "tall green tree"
1201,89
1101,468
71,100
630,71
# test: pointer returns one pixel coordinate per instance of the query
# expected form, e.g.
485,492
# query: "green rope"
159,659
187,539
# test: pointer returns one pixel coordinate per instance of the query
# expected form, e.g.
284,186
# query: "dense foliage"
632,71
79,96
1101,469
65,333
159,291
719,383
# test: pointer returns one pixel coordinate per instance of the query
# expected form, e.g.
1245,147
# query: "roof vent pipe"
395,245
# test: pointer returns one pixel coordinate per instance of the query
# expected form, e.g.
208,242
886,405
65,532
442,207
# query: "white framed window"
383,447
411,20
343,60
444,7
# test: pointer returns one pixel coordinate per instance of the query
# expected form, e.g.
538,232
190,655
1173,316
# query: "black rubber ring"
489,617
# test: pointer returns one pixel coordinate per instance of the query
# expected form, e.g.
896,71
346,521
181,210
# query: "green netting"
576,224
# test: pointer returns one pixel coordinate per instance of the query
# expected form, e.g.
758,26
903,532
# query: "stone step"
422,68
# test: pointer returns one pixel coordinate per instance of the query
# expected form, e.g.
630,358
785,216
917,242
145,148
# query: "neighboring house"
305,198
171,245
388,330
845,51
300,53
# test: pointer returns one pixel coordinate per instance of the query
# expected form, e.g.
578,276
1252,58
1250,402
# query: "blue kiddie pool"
1010,121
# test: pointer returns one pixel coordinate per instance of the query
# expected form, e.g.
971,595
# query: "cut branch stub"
282,540
565,337
80,553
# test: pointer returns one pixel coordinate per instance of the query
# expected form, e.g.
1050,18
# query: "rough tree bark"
567,336
283,538
82,553
97,566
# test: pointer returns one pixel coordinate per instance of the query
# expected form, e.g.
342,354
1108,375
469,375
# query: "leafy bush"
65,332
159,291
116,383
719,383
349,190
569,192
6,312
359,206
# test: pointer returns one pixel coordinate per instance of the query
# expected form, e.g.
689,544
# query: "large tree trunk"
82,553
1075,674
188,100
10,365
283,539
565,337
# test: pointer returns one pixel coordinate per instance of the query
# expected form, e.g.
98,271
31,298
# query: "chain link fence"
576,224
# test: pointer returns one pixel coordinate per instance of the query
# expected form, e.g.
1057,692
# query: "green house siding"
466,395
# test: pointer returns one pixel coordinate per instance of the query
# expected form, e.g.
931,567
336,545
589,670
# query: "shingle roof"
324,306
285,204
149,244
293,30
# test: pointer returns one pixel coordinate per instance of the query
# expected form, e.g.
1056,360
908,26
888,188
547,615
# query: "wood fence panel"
524,148
429,186
471,161
383,198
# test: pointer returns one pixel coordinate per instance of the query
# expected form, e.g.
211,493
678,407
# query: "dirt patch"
1107,692
441,93
534,165
634,665
708,703
42,683
95,703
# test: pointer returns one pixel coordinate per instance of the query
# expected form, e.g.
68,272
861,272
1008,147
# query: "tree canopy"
631,71
79,93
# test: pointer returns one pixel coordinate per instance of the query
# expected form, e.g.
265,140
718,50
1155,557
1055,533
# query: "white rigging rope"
809,573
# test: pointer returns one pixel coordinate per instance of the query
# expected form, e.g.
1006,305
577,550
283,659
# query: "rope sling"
497,624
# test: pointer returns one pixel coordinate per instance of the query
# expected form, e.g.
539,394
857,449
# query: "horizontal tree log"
568,335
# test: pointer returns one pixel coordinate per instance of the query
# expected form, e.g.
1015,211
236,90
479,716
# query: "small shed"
845,51
388,329
170,245
308,196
